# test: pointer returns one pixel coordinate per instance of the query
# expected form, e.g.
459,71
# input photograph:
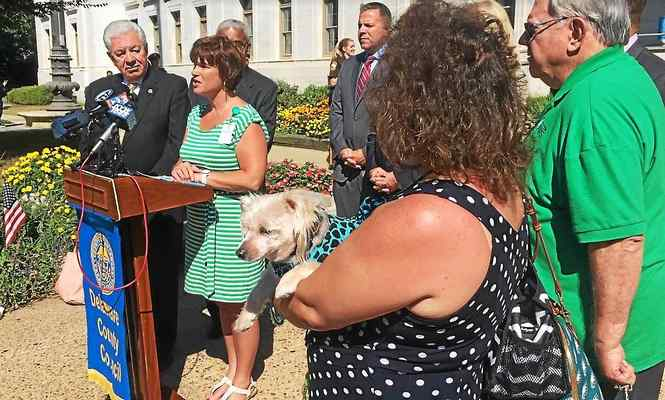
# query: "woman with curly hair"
409,305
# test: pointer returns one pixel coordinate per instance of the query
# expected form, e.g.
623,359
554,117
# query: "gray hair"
120,27
610,19
233,24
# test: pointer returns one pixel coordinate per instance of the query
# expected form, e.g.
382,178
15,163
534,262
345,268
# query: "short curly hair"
447,97
220,52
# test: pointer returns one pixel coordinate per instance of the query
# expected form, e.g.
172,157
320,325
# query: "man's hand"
613,364
382,180
357,158
185,171
345,153
351,158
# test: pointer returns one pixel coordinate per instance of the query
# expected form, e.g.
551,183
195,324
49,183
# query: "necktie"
365,73
133,91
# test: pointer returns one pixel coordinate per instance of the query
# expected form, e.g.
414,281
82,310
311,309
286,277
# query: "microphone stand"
108,134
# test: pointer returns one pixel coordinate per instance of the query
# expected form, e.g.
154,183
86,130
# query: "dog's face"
279,227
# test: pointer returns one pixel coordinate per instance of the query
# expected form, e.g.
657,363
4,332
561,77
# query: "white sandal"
250,392
224,381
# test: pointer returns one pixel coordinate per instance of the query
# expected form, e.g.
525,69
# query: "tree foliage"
17,31
42,8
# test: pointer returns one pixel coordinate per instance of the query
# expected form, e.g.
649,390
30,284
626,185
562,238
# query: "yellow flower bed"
40,170
305,120
29,267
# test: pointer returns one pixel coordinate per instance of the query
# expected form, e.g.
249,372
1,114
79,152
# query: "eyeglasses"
531,30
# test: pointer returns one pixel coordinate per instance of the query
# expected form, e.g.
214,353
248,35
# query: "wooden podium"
118,198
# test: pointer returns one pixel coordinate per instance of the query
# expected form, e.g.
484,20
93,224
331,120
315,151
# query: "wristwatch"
204,176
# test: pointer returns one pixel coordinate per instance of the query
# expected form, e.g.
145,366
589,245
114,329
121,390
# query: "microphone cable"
78,235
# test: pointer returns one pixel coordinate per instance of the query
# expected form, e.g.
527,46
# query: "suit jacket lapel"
356,74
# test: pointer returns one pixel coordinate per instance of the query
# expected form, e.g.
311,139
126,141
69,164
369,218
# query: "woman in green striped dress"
225,148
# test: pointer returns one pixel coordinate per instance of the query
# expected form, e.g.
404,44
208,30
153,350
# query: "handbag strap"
559,306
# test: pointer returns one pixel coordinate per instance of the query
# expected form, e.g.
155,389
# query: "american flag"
14,215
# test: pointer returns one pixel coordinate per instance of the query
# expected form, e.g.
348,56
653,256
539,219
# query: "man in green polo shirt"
598,184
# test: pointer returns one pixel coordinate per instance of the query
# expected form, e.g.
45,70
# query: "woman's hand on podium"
185,171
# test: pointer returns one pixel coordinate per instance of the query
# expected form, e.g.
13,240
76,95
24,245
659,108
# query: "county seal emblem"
103,265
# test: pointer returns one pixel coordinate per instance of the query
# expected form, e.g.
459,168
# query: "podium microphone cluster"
121,112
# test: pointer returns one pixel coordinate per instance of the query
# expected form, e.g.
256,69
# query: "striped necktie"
365,74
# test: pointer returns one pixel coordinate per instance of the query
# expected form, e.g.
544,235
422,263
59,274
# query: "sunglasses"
532,30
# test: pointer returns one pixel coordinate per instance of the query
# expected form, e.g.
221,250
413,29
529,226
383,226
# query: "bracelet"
204,177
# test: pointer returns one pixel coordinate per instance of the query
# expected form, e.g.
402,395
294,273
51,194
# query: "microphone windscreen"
122,110
104,95
64,126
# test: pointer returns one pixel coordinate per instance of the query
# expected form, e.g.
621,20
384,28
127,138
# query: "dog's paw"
289,282
244,321
286,287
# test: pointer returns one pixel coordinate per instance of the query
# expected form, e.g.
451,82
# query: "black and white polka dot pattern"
403,356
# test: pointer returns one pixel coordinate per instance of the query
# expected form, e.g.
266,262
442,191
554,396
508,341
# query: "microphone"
100,101
66,126
121,112
104,137
121,109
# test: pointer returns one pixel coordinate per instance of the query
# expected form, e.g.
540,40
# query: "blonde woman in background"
344,49
492,9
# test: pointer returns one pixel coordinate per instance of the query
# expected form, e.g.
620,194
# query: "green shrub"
30,95
287,95
287,174
535,106
29,266
314,95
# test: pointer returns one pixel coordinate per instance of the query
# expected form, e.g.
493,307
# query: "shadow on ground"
196,333
16,142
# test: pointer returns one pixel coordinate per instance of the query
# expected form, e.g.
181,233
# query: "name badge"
226,136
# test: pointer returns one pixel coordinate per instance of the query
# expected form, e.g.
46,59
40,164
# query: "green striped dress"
212,231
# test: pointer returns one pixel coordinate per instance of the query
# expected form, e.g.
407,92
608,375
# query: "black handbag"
538,355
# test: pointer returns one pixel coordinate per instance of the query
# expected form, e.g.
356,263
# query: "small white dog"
281,228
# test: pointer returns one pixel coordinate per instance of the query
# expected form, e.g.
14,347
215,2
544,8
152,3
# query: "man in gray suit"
654,65
349,119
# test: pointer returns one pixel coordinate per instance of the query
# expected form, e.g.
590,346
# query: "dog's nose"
241,253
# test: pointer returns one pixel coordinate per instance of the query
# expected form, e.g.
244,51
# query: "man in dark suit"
654,65
151,147
253,87
349,119
383,176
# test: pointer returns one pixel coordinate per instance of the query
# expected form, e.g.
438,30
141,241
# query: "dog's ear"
291,203
306,206
307,198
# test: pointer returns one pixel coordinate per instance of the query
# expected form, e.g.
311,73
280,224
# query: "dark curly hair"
220,52
448,99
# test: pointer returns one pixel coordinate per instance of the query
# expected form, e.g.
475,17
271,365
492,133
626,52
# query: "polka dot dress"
403,356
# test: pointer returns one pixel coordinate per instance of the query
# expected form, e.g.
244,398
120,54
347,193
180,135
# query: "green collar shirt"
598,174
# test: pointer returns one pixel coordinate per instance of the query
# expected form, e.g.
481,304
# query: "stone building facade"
291,39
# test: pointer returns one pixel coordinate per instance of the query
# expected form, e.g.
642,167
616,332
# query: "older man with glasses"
598,183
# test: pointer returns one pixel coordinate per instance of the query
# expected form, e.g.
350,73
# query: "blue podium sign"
101,257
